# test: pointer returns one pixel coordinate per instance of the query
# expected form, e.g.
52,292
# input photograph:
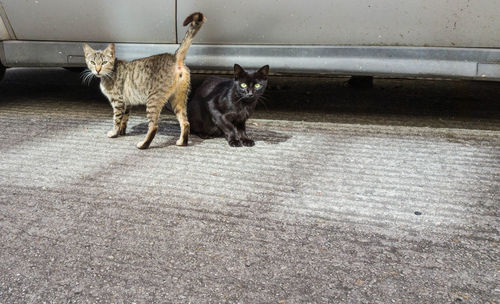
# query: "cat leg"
245,140
153,109
123,125
223,122
118,112
179,105
184,123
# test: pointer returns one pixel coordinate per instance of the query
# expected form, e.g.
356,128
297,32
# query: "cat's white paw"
143,145
112,134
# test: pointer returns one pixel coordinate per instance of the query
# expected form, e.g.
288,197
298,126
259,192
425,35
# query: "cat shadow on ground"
269,137
172,128
165,127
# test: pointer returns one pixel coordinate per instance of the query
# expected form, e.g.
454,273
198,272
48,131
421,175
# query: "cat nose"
98,69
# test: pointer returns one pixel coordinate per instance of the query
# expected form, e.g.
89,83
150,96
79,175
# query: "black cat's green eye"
257,85
243,85
92,62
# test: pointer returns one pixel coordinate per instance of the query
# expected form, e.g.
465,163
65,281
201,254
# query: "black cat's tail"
195,21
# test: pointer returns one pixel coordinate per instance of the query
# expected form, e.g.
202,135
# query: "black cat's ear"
264,71
110,50
238,71
87,49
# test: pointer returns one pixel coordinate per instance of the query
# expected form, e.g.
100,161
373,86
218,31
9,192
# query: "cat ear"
110,50
264,71
87,49
238,71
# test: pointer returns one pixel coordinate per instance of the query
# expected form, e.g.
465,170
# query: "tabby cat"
151,81
222,106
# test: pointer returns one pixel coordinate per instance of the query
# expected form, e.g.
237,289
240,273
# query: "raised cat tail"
195,21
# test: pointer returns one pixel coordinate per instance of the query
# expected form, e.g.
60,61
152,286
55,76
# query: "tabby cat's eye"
93,63
104,62
257,85
243,85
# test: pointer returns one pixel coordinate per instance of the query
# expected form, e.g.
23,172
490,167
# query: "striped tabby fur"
150,81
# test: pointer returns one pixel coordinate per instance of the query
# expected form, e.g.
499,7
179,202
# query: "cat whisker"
87,77
109,75
83,74
84,79
261,100
264,97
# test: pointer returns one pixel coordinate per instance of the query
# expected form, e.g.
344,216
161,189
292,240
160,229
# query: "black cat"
221,106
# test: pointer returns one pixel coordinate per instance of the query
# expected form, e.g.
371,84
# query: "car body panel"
4,34
471,63
426,38
423,23
93,20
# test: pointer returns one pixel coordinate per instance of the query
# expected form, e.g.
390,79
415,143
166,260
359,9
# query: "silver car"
425,38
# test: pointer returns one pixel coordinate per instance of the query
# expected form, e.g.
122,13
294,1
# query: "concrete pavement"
330,206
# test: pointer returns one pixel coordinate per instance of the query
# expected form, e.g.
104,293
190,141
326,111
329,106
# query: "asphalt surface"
387,194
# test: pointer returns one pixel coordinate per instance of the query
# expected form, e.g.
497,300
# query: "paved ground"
380,195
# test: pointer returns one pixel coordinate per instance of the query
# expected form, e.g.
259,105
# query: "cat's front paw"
248,142
113,133
123,131
234,143
143,145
